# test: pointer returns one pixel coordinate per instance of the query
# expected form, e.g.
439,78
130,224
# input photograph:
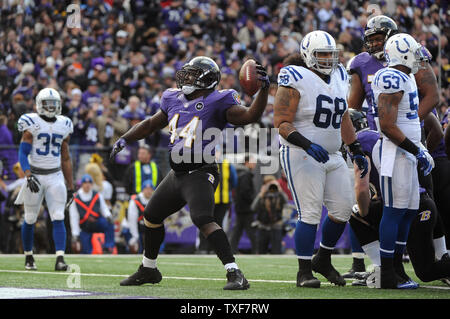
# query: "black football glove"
263,77
117,147
33,183
70,193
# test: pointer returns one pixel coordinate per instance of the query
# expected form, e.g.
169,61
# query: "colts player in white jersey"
43,154
396,155
310,111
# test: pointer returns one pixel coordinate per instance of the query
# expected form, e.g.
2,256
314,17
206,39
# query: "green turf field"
191,277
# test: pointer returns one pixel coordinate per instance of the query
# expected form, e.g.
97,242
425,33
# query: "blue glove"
426,162
117,147
362,164
263,77
318,152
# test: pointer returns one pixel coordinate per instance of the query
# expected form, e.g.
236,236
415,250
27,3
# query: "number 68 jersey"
47,138
389,80
321,107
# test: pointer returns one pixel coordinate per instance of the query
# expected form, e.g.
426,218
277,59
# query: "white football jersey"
47,138
389,80
321,107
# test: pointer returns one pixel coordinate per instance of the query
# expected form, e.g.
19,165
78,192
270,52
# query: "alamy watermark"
74,279
213,144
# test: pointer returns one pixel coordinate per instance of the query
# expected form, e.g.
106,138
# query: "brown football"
248,78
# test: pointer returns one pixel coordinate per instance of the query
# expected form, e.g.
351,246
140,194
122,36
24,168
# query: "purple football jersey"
189,119
368,138
365,65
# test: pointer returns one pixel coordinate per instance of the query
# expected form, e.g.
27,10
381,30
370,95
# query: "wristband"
298,139
356,148
409,146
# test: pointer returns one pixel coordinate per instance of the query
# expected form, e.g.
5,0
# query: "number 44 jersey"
47,138
389,81
321,107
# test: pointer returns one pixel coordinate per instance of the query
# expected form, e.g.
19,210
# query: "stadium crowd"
111,61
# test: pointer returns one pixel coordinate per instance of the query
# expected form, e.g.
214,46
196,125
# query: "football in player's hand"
248,78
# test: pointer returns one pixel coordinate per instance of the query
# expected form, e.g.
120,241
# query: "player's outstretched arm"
428,90
239,115
357,93
146,127
140,131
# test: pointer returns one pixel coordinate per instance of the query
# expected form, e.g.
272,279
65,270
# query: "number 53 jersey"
389,81
47,138
321,107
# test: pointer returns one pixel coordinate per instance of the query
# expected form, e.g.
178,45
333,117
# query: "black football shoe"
236,280
60,264
144,275
307,280
326,269
29,263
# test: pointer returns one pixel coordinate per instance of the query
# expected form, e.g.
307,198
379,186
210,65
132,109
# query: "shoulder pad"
230,95
342,72
389,80
289,75
27,122
360,59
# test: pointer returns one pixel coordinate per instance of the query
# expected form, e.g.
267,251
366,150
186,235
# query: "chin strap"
48,119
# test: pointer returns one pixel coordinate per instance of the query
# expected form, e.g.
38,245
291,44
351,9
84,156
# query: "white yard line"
175,278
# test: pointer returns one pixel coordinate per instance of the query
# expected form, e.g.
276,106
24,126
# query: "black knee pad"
200,220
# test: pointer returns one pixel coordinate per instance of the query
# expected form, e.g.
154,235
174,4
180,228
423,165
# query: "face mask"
188,89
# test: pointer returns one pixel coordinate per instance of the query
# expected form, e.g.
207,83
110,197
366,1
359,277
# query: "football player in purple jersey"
366,64
189,112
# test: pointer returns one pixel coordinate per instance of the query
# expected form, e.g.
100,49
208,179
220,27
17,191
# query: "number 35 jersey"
321,107
47,138
389,80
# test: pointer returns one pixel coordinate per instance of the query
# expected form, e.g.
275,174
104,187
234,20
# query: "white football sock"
372,250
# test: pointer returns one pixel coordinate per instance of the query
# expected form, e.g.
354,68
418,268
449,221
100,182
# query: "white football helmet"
48,102
315,42
403,49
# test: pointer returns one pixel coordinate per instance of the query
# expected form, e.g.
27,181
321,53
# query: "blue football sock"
27,236
59,235
403,230
305,236
389,230
331,232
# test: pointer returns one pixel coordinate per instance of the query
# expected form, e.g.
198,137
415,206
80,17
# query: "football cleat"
326,269
144,275
349,274
307,280
60,264
409,284
236,280
29,263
